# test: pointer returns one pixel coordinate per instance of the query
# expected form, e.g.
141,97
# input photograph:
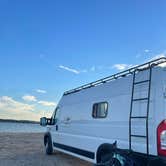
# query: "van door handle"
56,127
67,121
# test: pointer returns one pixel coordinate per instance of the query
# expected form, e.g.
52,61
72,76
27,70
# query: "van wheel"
109,160
115,162
48,146
117,159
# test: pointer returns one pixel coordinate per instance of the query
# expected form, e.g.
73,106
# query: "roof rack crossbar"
124,73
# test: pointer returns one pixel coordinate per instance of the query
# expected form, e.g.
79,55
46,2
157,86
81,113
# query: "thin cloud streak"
41,91
121,67
69,69
146,50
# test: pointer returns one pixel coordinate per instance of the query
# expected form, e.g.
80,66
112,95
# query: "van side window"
100,110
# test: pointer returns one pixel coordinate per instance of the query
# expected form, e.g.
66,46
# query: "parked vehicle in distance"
117,121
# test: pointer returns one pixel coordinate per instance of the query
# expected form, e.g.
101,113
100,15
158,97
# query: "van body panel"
78,129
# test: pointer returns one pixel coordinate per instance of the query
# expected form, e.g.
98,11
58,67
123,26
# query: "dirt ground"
19,149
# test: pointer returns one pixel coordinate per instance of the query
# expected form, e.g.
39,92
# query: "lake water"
21,127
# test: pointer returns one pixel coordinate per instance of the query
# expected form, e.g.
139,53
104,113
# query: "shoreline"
19,121
14,127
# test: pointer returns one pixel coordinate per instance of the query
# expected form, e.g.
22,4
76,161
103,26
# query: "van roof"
124,73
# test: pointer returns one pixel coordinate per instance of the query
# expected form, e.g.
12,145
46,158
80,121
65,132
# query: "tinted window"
56,113
100,110
55,116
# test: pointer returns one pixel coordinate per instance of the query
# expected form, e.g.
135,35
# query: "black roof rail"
124,73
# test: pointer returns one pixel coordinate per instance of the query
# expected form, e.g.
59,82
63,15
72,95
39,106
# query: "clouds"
149,55
72,70
118,66
48,104
29,98
69,69
41,91
13,105
121,66
158,56
146,50
162,55
99,68
93,68
14,109
30,108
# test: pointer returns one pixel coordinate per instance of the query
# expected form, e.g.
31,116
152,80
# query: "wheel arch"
104,149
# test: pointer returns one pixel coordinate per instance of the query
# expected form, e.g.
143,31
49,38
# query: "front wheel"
48,146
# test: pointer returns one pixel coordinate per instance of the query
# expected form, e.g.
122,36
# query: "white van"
116,121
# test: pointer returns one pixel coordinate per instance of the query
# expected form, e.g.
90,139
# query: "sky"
48,47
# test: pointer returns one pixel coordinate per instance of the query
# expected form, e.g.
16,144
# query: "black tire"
108,160
48,146
116,162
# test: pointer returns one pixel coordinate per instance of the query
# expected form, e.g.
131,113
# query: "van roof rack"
124,73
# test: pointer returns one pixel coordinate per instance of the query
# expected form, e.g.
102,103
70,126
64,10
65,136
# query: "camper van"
119,120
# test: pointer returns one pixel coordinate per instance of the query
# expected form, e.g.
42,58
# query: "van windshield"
56,113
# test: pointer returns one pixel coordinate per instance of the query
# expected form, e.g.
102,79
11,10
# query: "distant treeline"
18,121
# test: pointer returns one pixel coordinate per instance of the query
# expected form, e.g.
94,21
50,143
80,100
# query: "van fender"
105,148
124,156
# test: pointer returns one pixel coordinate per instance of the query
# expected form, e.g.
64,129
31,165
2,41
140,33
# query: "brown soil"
20,149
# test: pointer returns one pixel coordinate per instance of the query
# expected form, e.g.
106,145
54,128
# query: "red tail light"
161,138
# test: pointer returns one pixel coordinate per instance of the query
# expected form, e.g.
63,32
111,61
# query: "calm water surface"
21,127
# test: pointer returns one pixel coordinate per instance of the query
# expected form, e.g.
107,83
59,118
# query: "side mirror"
43,121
